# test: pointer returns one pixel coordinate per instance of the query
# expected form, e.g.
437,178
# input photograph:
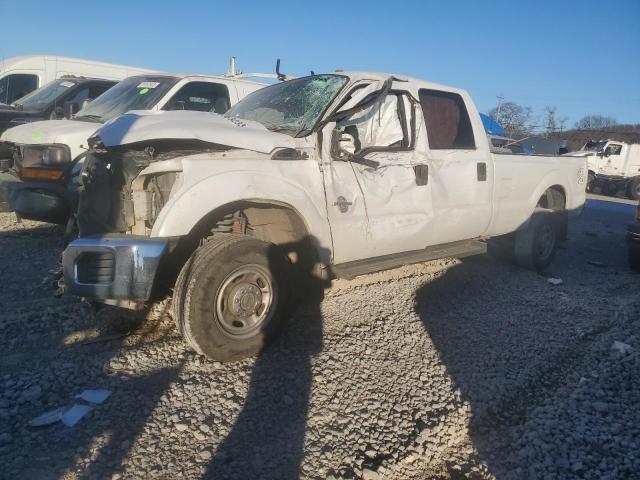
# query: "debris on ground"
621,347
72,414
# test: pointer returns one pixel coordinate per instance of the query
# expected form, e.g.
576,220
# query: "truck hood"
72,133
140,126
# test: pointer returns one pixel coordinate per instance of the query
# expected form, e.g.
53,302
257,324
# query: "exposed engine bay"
106,193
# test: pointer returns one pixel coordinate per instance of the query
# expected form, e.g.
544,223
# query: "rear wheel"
536,244
633,189
230,297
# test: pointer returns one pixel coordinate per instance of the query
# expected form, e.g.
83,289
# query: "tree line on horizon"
520,121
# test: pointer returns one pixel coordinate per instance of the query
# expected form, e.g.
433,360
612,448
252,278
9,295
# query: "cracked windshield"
291,107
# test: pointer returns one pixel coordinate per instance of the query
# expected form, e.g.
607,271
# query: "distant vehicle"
633,242
49,155
22,75
499,139
613,166
50,101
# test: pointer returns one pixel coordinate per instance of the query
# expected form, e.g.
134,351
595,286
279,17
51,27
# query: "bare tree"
515,118
550,121
595,122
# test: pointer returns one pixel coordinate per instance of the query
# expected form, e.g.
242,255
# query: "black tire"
535,245
634,259
231,297
633,188
610,188
591,178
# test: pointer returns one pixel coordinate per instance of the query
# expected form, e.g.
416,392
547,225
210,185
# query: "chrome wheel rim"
246,300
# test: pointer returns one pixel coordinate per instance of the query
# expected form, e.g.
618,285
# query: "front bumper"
113,267
8,183
43,202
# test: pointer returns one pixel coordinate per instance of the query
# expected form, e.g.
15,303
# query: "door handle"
422,174
482,172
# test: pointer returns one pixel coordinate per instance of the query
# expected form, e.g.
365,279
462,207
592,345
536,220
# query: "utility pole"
500,99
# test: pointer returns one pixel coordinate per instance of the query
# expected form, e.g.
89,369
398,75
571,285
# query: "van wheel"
536,244
633,190
230,297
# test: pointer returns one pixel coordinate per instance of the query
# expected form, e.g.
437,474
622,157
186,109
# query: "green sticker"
36,135
143,91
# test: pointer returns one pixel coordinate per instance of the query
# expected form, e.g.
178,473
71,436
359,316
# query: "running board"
465,248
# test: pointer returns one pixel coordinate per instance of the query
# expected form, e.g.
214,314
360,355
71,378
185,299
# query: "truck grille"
95,268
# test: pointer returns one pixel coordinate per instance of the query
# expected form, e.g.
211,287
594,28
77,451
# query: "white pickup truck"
327,175
48,155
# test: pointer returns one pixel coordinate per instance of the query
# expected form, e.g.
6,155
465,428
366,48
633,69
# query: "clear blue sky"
581,56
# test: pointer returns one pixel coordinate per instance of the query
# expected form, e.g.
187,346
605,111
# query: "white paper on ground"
95,396
47,418
74,414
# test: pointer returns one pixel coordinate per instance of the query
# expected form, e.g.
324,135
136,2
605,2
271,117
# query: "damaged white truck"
324,176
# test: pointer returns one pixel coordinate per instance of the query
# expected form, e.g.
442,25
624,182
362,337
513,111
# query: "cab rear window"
447,120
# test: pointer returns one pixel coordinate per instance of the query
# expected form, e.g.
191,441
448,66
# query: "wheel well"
267,221
554,198
279,224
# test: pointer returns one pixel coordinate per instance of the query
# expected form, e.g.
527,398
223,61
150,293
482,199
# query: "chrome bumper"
113,267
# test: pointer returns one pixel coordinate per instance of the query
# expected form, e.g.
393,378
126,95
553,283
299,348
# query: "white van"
22,75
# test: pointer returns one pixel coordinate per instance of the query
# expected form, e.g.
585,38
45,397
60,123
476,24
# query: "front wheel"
536,244
231,296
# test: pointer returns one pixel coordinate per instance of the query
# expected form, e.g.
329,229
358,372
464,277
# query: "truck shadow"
501,350
267,438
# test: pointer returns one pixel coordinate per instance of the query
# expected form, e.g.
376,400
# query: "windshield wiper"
91,118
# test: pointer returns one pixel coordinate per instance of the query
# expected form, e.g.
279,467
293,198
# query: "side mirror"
85,103
70,109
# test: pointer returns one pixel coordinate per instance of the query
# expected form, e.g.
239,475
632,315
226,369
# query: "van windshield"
292,107
133,93
42,97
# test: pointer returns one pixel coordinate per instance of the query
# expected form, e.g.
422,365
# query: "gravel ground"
449,369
